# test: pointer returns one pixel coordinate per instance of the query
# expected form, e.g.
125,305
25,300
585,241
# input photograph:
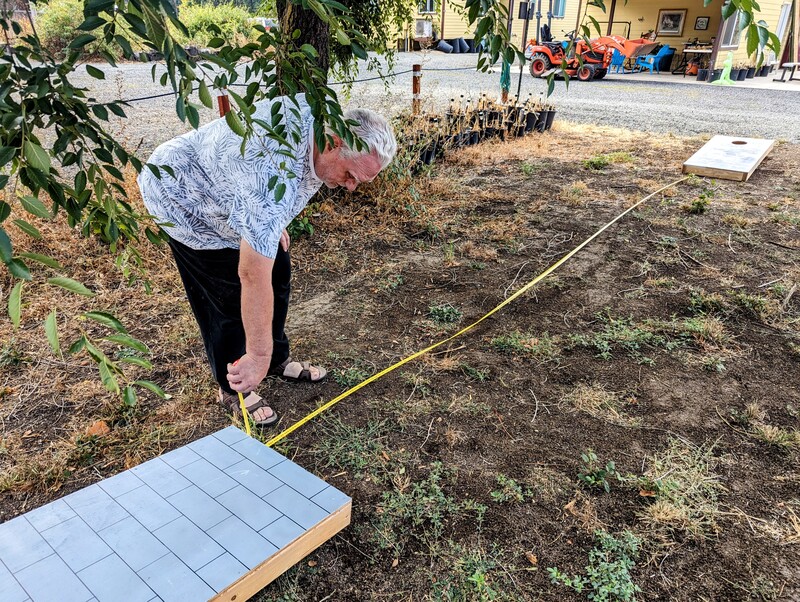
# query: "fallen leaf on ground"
531,558
99,429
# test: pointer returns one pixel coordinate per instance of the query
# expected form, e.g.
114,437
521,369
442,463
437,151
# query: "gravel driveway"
620,101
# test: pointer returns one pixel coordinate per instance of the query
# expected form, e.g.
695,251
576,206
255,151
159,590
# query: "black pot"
551,115
734,75
764,71
475,137
541,121
530,121
192,51
444,47
155,56
715,75
495,117
742,75
428,154
702,75
519,131
456,46
751,72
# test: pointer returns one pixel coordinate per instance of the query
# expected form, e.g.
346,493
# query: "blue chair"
658,61
618,62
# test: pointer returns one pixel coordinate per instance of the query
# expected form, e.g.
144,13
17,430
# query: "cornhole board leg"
279,563
729,158
217,519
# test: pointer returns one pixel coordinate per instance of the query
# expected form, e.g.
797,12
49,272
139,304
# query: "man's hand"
285,240
245,374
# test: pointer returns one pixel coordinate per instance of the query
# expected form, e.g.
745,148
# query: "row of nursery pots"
736,74
478,130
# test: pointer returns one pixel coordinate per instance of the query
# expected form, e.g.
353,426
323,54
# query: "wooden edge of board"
285,558
713,172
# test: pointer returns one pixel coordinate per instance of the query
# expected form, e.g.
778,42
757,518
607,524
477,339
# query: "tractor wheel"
539,64
585,73
600,73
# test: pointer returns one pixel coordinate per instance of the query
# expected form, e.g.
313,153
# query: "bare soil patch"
669,346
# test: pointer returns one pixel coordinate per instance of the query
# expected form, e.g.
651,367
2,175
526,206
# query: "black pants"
211,280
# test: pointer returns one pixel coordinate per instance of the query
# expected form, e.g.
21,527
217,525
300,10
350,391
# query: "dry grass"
596,401
574,194
686,492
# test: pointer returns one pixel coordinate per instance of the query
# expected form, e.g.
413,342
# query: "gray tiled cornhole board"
214,520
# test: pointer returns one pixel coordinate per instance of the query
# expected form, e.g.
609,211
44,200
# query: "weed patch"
542,347
357,450
608,574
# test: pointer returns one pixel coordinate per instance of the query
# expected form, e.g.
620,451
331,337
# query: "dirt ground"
669,346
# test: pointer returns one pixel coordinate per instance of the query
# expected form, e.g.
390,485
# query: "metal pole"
504,90
416,76
528,9
550,16
539,22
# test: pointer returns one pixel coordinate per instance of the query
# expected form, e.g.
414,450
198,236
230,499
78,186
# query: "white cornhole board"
729,158
217,519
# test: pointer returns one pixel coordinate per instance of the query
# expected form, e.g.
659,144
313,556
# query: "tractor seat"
553,46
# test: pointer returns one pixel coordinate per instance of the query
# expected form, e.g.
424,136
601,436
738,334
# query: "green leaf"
137,361
233,121
342,37
109,380
35,206
6,250
359,51
151,386
18,269
71,285
81,41
128,341
205,95
91,24
6,154
77,345
43,259
129,396
15,304
51,328
280,190
36,156
27,228
5,211
95,72
106,319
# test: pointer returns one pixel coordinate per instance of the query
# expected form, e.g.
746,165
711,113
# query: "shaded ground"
669,346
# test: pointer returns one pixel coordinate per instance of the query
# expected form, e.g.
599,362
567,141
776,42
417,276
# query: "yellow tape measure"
245,416
414,356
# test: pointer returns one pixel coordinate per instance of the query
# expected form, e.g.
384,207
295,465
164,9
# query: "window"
427,7
730,31
559,8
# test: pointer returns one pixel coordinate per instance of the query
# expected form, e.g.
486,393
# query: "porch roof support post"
611,16
794,56
578,18
441,29
715,48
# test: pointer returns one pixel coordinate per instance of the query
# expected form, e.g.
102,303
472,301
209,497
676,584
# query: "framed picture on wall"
701,23
671,21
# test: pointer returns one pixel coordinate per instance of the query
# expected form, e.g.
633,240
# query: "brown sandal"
252,402
298,372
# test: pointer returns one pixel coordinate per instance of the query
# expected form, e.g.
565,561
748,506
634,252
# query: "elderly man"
228,237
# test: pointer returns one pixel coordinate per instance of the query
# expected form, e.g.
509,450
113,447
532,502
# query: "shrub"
58,26
206,21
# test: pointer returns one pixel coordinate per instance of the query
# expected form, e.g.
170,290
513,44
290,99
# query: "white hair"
375,132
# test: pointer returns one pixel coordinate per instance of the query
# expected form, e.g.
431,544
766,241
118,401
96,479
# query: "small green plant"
300,226
594,475
700,203
528,168
510,491
702,302
444,314
350,377
597,162
391,282
472,575
346,447
420,510
621,334
608,574
541,347
474,373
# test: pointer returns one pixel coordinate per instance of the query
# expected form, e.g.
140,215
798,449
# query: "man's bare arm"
255,273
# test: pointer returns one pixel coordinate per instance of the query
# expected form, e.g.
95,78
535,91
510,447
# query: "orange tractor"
586,61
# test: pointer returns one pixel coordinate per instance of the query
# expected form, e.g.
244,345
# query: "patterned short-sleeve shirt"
220,196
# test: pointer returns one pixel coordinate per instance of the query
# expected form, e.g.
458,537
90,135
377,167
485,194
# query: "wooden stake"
224,104
416,78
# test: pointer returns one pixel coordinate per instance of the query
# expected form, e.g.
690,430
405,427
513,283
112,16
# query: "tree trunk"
312,30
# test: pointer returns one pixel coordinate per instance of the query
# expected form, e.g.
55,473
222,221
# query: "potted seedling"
742,73
751,71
